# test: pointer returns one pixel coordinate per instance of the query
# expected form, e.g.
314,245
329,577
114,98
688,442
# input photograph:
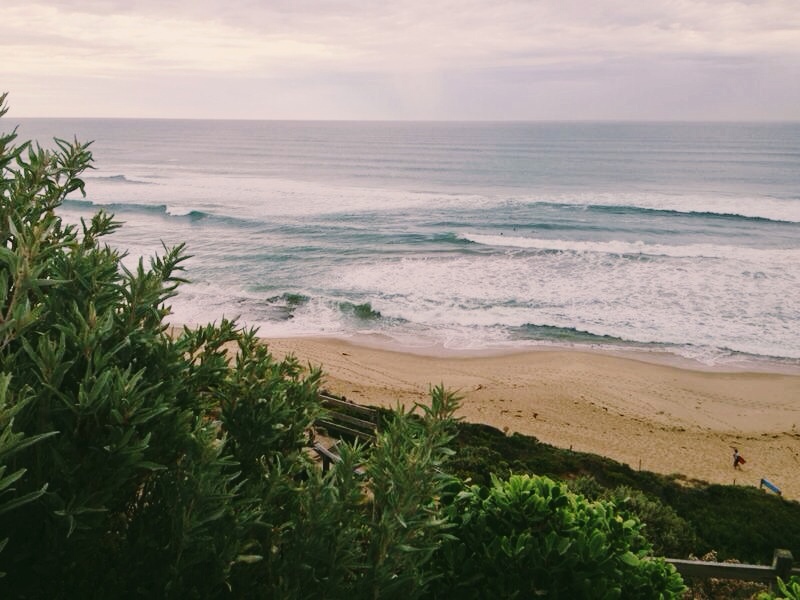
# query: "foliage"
529,536
163,466
669,534
10,443
407,524
141,479
787,590
738,521
370,527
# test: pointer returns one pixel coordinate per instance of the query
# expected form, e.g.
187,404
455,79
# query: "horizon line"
410,121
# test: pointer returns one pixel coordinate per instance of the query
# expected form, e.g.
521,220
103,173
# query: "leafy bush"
787,590
177,467
406,523
10,443
529,536
740,522
665,529
737,521
669,534
141,478
476,464
370,527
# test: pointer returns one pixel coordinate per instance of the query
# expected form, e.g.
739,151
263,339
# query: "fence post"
782,561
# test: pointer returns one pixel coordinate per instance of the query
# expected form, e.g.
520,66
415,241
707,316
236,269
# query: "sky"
403,59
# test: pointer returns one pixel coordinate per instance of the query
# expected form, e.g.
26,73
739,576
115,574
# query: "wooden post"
782,561
326,464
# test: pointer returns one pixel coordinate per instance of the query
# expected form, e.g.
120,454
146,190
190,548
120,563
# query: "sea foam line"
619,247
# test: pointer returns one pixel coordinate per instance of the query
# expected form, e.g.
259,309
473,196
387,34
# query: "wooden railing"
348,419
782,566
344,419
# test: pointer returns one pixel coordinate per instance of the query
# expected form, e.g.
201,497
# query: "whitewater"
650,237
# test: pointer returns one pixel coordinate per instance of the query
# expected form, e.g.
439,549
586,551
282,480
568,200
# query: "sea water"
675,237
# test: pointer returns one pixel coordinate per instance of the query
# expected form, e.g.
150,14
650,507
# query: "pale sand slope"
671,419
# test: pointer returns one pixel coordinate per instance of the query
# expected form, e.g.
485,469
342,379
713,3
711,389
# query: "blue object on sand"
771,486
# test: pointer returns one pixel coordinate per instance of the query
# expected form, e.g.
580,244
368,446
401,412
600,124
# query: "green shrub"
370,527
739,522
407,523
12,442
136,484
477,464
669,534
787,590
529,536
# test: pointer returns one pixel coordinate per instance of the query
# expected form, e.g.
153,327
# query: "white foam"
620,247
181,211
714,304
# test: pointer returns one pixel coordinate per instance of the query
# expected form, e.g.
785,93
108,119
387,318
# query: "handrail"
338,421
782,566
334,427
332,402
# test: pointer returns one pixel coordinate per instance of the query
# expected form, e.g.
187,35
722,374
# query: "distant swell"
786,211
147,209
120,179
695,213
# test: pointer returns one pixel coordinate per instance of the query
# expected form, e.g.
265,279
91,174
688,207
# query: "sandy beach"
663,418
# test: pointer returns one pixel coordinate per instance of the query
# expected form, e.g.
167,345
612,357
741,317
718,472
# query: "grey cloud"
416,59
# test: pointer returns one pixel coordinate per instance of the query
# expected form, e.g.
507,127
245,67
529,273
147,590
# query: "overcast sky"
403,59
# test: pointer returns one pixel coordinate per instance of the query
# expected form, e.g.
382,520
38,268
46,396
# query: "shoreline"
658,356
648,414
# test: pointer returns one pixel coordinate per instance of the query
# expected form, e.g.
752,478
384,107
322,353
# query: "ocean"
678,238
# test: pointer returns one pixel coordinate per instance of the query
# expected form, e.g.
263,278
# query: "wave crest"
133,207
720,207
119,179
636,248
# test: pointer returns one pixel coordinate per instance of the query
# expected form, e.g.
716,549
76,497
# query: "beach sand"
655,416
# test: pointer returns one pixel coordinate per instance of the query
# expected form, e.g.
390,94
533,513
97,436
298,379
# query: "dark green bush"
135,464
136,485
530,536
737,521
669,534
740,522
787,590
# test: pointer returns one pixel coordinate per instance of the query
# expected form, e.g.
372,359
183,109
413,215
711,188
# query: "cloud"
390,49
239,34
118,43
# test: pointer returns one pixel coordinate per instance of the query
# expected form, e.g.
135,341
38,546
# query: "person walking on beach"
737,458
